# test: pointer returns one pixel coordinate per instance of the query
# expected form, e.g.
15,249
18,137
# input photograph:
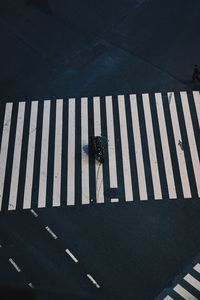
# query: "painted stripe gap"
125,149
4,147
111,143
30,155
191,139
180,152
138,148
165,147
98,166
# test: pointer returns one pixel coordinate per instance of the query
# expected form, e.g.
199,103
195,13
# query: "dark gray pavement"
97,48
92,48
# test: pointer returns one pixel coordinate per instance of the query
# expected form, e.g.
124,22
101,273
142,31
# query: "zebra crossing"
153,150
187,286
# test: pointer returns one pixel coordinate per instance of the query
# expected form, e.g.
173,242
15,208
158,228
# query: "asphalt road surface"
69,227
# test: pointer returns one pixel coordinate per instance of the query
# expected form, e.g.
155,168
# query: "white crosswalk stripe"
44,155
152,148
58,154
71,153
51,165
85,160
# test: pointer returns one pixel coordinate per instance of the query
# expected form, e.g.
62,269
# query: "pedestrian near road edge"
195,74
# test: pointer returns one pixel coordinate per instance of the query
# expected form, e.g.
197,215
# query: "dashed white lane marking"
71,153
51,232
71,255
58,153
125,153
197,268
152,147
14,264
31,285
98,167
85,158
138,148
184,293
165,147
34,213
180,152
111,144
16,157
93,281
192,281
44,154
30,155
4,147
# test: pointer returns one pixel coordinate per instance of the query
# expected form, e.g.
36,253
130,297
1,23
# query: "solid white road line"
84,160
125,149
93,281
184,293
14,264
192,281
16,157
44,155
30,155
196,97
180,152
58,153
4,147
197,268
111,143
165,147
168,298
191,139
71,153
51,232
98,166
71,255
152,148
138,148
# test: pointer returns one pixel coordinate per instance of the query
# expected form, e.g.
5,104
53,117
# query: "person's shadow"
86,149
